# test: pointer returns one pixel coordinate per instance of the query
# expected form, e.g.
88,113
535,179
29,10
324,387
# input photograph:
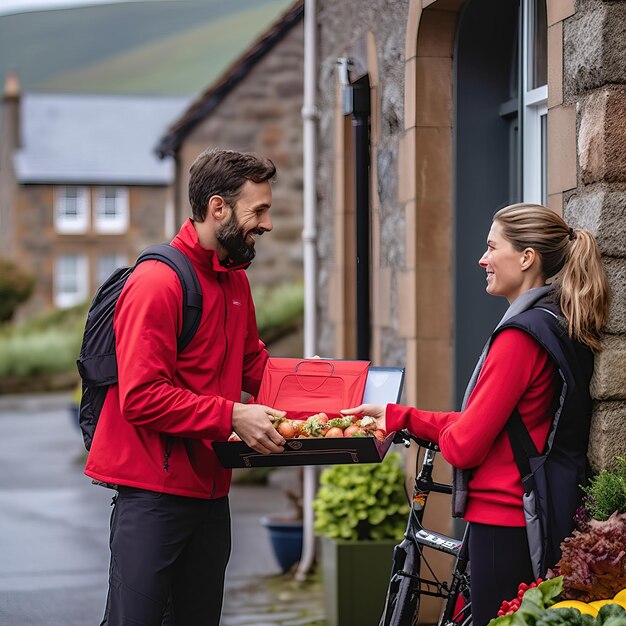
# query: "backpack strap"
192,293
523,447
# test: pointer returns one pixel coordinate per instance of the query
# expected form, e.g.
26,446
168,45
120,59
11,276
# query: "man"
170,526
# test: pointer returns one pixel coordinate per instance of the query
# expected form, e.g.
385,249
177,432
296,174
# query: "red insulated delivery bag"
303,387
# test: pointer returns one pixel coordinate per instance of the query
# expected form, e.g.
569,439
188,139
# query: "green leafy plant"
16,286
47,345
278,309
362,502
606,493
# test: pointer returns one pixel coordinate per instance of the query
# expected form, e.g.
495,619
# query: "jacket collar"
187,241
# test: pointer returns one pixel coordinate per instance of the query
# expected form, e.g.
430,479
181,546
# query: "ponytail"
584,289
571,257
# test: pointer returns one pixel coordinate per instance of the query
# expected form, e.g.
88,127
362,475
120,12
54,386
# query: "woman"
539,361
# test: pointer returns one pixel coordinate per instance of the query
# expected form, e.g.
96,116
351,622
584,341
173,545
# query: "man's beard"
232,237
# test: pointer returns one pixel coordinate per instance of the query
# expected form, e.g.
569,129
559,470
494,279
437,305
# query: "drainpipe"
360,124
309,239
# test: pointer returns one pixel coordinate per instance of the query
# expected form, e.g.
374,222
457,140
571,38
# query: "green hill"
174,47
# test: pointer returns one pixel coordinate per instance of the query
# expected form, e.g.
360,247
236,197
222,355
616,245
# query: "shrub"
16,286
606,492
278,309
362,502
47,352
50,343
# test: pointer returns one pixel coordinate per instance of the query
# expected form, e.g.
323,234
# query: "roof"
94,139
237,72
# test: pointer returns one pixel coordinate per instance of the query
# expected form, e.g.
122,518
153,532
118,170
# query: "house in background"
255,106
81,191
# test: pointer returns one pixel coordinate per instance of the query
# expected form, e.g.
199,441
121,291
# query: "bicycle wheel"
402,601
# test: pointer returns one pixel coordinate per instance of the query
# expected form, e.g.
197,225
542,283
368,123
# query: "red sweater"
517,371
157,425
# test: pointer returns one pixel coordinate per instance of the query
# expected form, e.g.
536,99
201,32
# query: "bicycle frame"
417,537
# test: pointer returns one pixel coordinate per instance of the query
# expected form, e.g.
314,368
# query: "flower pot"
355,578
286,539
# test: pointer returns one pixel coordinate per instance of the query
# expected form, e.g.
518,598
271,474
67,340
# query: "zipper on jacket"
219,376
169,442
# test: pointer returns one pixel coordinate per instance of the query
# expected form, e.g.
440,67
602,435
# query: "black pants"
168,559
499,561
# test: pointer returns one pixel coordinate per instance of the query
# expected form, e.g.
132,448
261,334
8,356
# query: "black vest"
565,465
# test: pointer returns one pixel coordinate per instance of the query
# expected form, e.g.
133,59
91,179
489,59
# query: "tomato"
234,437
287,429
334,432
299,426
322,417
352,430
380,434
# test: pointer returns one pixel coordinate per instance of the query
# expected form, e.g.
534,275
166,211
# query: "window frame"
78,223
534,105
120,259
65,299
116,223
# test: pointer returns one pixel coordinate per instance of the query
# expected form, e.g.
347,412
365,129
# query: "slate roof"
237,72
94,139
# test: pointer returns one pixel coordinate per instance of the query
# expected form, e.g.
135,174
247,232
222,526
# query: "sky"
20,6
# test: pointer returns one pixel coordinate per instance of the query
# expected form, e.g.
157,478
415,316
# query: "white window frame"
118,260
534,107
69,223
118,222
77,277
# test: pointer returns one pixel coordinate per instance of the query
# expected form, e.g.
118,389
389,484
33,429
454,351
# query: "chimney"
11,111
9,142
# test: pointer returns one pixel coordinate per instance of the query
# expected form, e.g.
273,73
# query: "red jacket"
157,425
517,372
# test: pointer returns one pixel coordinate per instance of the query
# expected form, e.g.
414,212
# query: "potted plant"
285,530
360,513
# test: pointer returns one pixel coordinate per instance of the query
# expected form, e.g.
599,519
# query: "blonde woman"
537,364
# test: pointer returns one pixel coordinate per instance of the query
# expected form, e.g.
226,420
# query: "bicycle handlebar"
404,436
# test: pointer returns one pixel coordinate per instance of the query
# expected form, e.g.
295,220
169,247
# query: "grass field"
174,47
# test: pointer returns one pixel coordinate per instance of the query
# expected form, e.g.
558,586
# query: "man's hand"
253,424
377,411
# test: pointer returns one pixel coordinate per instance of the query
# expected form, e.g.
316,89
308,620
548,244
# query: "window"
107,264
534,101
70,280
71,210
112,210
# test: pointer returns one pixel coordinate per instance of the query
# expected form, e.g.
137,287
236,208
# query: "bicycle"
406,586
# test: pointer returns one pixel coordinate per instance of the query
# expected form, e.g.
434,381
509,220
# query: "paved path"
54,533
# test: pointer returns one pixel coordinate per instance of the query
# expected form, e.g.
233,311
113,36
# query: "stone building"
255,106
469,105
81,191
472,105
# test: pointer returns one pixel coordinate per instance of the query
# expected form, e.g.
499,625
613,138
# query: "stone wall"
344,27
262,114
594,68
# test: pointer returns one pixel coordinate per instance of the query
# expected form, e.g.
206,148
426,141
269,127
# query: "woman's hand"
377,411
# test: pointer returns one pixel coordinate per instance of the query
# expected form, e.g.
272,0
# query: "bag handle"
317,362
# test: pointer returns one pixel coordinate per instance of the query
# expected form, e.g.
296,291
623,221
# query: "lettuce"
593,562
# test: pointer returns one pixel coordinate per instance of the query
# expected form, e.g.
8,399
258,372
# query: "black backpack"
97,364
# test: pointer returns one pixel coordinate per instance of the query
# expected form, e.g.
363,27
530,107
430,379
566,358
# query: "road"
54,522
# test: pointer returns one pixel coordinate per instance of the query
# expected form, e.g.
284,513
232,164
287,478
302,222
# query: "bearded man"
170,525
